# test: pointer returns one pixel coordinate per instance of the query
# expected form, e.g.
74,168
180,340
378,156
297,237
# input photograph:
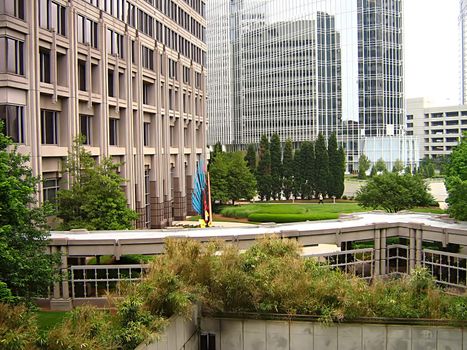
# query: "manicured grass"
432,210
266,212
46,320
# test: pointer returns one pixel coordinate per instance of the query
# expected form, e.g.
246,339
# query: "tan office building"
126,74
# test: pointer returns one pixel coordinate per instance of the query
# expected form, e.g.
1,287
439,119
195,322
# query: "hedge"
284,218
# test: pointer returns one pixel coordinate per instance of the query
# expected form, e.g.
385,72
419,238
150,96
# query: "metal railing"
397,259
359,262
448,269
96,281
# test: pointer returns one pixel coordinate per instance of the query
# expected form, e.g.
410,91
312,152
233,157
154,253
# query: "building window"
49,127
207,341
14,8
110,83
198,80
13,61
147,58
114,43
186,75
113,131
146,134
82,75
146,93
52,16
172,69
87,31
50,188
45,65
85,126
12,118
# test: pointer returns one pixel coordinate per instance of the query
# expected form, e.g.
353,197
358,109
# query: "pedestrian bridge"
85,281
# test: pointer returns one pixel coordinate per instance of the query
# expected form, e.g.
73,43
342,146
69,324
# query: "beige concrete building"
126,74
438,129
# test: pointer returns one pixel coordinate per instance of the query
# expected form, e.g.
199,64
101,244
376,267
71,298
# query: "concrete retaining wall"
179,334
232,334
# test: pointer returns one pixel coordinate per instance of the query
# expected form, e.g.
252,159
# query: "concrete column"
411,249
61,300
377,257
418,247
56,286
383,254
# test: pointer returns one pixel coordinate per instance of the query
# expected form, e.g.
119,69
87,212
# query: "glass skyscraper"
463,51
301,67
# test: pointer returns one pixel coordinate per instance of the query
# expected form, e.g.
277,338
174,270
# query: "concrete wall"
233,334
179,334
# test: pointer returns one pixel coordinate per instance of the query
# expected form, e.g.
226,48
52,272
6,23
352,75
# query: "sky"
432,50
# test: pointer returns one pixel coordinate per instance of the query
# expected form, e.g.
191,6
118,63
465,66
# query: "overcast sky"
432,49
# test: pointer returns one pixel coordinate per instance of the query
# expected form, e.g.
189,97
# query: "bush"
18,328
284,218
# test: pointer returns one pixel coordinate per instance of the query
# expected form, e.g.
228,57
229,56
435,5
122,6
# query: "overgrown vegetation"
270,277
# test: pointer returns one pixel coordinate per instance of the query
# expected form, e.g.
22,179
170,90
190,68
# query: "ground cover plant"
287,212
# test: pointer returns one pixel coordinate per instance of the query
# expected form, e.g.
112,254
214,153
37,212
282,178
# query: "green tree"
336,168
426,168
363,166
380,166
456,181
321,166
341,173
297,174
398,166
287,169
393,192
250,158
231,179
217,149
263,174
307,169
95,200
24,265
276,167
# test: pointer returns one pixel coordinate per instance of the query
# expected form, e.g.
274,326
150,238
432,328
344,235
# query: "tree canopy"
363,166
321,166
95,200
276,167
25,267
231,179
263,174
456,181
393,192
287,169
250,158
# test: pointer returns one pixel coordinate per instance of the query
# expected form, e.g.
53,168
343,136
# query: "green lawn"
48,319
281,212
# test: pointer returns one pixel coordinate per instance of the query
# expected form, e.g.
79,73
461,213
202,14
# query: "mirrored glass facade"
463,51
301,67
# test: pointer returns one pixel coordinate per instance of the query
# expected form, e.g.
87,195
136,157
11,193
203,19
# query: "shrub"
18,328
284,218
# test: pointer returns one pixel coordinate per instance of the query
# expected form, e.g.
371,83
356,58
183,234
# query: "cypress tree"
250,158
263,175
287,169
307,169
297,175
334,166
216,150
340,173
276,167
321,166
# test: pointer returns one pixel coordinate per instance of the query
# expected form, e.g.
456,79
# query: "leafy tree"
95,200
393,192
380,166
398,166
287,169
373,171
363,166
456,181
263,175
276,167
25,267
321,166
336,168
306,169
231,179
250,158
